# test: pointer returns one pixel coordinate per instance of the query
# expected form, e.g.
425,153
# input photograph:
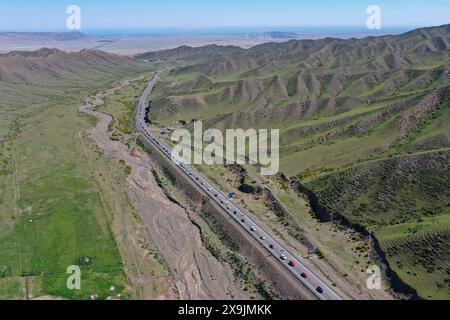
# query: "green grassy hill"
364,125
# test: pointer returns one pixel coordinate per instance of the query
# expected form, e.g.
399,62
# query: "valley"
363,181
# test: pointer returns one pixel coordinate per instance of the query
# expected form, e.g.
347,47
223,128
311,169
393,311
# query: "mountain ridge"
44,36
52,64
363,125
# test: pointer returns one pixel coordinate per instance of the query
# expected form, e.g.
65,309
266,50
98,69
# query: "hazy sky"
34,15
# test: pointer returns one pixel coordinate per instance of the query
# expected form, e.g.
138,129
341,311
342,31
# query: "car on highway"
285,258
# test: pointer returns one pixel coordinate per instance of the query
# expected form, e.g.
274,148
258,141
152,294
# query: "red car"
304,275
292,263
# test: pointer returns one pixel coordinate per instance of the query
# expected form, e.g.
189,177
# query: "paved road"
289,261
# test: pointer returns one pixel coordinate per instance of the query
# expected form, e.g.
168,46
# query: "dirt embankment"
197,274
399,287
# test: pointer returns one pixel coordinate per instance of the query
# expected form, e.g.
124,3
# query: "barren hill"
53,65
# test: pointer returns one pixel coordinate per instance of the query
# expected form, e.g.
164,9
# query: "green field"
52,211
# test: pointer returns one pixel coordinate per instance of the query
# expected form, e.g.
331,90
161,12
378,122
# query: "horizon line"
206,28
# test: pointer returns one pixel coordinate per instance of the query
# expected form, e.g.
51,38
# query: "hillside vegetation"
364,126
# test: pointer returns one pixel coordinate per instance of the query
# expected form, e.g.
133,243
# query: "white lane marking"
199,180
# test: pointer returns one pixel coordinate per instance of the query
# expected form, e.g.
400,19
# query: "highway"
293,265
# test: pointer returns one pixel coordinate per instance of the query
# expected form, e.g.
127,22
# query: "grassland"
420,254
406,210
53,214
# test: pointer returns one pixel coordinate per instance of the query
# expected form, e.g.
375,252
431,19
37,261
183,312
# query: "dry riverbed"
195,273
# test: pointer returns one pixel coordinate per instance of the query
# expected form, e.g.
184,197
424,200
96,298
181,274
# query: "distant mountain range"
43,36
138,41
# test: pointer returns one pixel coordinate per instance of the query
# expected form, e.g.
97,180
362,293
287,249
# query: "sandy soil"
198,275
131,45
